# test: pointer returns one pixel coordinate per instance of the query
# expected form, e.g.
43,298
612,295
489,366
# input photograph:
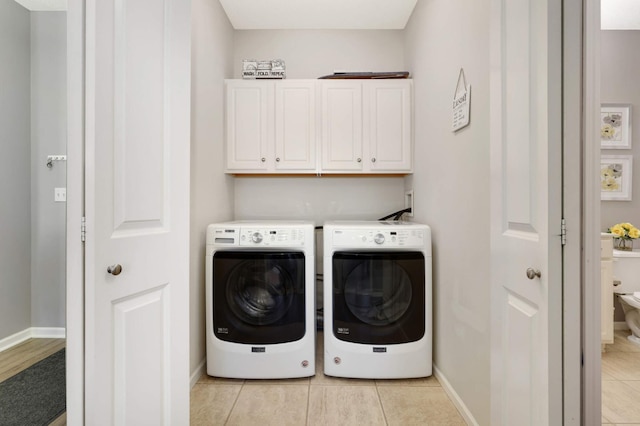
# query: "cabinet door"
295,115
388,125
249,127
606,277
341,126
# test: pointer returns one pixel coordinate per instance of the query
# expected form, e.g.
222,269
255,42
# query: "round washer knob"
256,237
379,238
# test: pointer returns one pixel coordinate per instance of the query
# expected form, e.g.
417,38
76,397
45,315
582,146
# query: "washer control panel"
378,238
258,237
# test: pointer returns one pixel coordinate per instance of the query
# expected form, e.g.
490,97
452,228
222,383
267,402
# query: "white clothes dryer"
260,299
377,300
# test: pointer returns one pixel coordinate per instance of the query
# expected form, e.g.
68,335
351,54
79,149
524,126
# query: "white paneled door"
137,210
526,201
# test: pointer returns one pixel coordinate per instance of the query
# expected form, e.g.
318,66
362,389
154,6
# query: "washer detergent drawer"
258,296
379,297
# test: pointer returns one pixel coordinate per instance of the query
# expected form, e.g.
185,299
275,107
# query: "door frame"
581,198
585,271
572,199
591,290
75,212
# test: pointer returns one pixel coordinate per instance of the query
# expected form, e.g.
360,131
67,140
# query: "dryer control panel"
378,238
257,237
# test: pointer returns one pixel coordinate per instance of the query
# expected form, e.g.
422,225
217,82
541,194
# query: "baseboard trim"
14,339
620,325
453,395
32,333
199,371
48,332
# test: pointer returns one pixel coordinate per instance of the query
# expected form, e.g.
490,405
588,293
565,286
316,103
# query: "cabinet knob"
373,160
278,159
359,160
263,159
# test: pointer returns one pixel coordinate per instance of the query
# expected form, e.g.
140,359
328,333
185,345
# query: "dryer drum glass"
259,292
378,292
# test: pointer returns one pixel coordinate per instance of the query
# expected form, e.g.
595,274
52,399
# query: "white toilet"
626,270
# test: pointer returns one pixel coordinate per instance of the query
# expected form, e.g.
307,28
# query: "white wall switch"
60,195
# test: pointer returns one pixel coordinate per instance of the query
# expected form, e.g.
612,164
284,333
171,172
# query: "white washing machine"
260,299
377,300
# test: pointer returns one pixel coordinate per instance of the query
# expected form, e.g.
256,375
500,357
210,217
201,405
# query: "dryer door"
379,297
258,297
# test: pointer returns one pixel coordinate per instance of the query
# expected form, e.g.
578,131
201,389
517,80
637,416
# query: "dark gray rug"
35,396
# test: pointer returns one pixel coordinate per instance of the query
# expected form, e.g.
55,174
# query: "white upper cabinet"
342,126
319,126
366,126
295,115
249,126
387,125
271,126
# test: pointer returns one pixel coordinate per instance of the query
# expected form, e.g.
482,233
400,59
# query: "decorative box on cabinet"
366,126
271,126
606,282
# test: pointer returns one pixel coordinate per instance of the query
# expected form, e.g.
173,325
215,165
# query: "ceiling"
318,14
349,14
620,14
43,5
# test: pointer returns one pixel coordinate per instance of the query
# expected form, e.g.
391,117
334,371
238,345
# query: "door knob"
114,269
532,273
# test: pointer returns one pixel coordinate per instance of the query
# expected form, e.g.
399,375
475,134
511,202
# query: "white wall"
620,52
451,181
311,54
318,199
48,136
15,179
211,190
451,187
314,53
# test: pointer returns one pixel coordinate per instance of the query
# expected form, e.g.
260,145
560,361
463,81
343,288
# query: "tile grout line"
235,401
386,422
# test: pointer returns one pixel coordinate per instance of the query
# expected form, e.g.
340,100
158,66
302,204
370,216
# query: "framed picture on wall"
615,126
615,177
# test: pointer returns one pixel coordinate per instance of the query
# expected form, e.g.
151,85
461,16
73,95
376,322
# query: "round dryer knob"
379,238
256,237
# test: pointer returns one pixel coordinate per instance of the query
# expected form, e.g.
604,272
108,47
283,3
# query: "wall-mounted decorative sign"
615,177
615,126
461,103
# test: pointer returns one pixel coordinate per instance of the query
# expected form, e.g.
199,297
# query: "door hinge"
83,229
563,231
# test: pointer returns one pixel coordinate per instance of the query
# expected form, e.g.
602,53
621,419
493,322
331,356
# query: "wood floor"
24,355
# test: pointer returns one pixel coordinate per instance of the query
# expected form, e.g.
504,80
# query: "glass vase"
623,244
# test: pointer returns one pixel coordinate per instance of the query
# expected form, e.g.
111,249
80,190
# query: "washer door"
379,297
258,297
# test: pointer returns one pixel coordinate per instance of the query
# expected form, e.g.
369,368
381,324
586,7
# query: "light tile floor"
321,400
621,382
